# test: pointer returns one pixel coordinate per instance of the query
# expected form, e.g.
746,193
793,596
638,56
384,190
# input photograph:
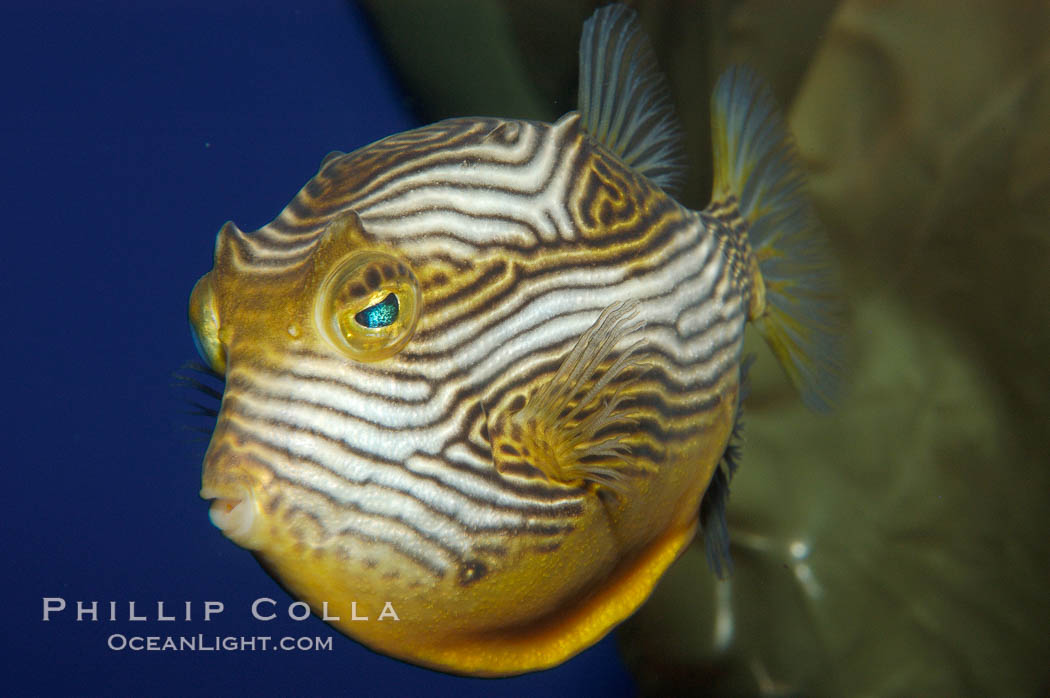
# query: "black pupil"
381,314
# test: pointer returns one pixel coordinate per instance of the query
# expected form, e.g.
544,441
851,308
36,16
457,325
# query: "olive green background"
900,545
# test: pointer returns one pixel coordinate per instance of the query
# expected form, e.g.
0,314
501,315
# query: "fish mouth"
233,517
236,515
234,483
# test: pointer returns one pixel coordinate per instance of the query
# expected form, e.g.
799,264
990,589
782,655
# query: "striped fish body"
479,377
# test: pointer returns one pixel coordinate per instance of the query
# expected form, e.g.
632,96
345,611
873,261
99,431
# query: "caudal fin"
755,161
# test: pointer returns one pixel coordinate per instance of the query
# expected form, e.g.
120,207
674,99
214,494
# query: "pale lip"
235,516
233,480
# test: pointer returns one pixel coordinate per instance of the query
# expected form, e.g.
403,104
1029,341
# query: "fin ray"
624,101
713,524
562,429
755,161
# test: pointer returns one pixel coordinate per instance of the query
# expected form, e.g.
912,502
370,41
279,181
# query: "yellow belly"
533,610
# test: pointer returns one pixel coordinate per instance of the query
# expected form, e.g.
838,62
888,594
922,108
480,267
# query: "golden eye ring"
368,306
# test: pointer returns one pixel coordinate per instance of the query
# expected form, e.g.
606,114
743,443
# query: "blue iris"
381,314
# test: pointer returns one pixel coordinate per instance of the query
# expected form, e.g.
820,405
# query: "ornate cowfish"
485,374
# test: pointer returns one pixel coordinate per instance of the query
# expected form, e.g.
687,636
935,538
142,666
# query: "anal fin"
713,524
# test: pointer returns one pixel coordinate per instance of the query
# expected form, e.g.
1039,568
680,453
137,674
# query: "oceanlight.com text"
201,642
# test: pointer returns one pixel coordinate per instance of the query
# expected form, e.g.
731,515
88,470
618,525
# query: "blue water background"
132,131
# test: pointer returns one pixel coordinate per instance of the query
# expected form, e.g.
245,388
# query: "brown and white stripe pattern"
520,234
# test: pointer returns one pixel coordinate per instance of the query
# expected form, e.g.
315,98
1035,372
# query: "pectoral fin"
573,426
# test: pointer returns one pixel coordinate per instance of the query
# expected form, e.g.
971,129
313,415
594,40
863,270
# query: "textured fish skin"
510,460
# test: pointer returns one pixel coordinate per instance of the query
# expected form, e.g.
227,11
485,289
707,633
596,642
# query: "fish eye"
204,321
369,304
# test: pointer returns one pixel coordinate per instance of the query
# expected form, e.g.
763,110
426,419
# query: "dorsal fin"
624,101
